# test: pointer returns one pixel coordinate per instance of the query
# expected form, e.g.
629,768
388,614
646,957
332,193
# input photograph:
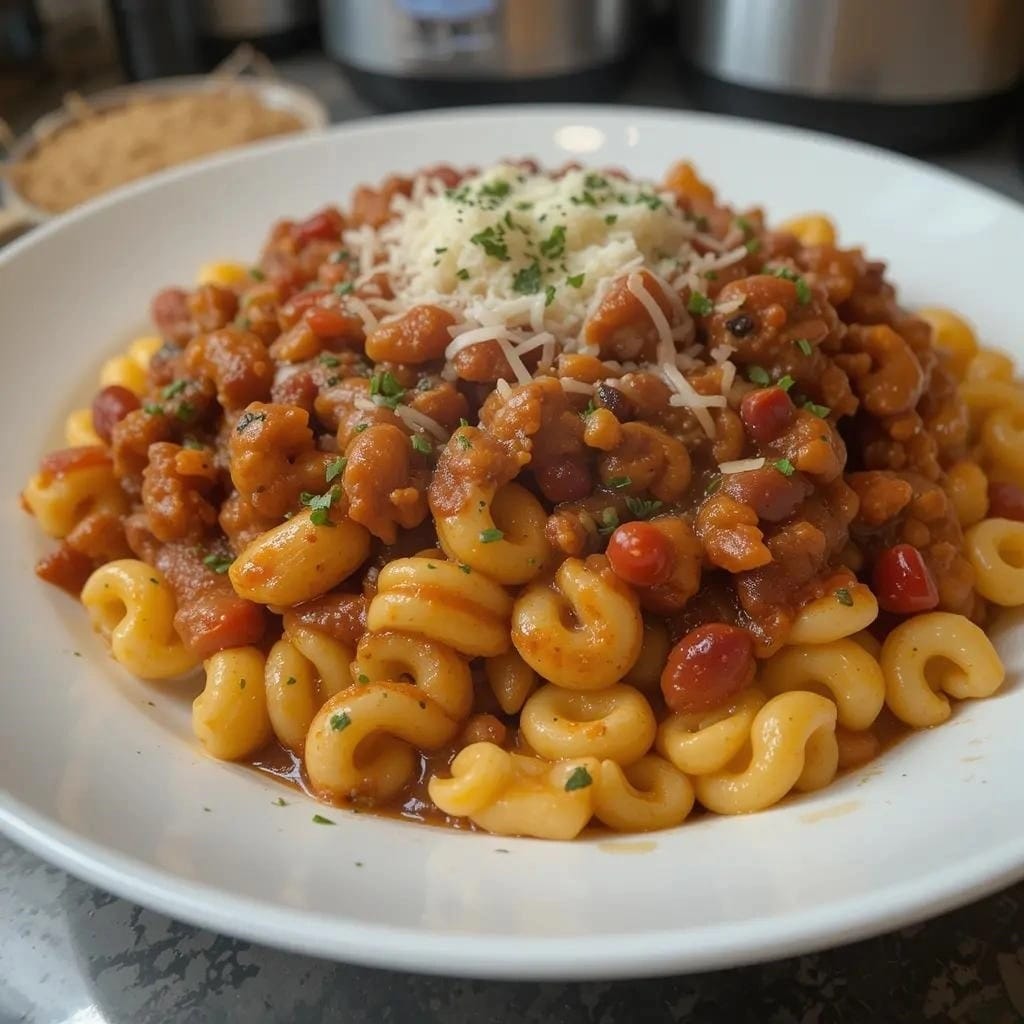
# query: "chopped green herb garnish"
804,345
595,181
496,189
785,382
290,681
280,802
241,684
340,721
843,596
588,409
527,280
218,563
758,375
465,568
340,256
554,245
248,418
490,535
319,505
576,281
620,482
362,678
549,295
152,408
642,508
186,411
344,288
175,388
464,442
784,466
256,274
326,359
611,218
578,779
699,305
608,521
744,225
319,819
821,411
385,390
492,243
441,248
191,442
752,245
462,274
335,469
714,485
803,289
421,444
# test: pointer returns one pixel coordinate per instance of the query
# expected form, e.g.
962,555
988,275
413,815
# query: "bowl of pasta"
532,543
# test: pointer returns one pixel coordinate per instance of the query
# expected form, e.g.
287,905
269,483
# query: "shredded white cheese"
740,465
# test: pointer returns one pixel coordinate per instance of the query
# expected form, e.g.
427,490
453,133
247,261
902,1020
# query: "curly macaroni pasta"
465,526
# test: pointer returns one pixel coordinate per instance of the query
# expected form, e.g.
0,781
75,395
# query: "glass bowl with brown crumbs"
93,145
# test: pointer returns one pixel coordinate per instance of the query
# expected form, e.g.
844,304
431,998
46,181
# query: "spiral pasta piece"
700,742
835,616
851,677
132,606
292,694
361,742
995,548
932,655
793,745
479,773
230,716
511,680
645,796
583,632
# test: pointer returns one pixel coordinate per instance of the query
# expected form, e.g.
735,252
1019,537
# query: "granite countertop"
72,953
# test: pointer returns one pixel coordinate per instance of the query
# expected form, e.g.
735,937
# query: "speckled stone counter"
71,954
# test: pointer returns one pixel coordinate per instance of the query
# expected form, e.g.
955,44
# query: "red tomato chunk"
707,667
766,413
903,583
640,554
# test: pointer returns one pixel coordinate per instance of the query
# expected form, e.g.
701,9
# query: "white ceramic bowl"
99,772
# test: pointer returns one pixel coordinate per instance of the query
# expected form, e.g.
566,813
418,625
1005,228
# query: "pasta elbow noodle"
511,680
361,742
615,723
60,502
828,618
223,273
793,745
79,431
527,796
601,643
432,667
995,548
701,742
642,797
953,335
932,655
852,677
291,694
130,370
298,560
439,601
230,717
811,229
499,534
132,606
328,655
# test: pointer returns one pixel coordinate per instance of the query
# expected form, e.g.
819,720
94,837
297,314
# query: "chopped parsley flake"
359,428
642,508
344,288
495,189
335,469
248,418
527,280
804,345
785,382
844,597
319,505
326,359
191,442
588,409
174,388
441,248
492,243
609,520
620,482
185,411
256,274
465,568
611,218
464,442
803,289
489,536
576,281
744,225
152,408
554,245
362,678
821,411
218,563
340,721
785,467
385,390
462,274
579,779
421,444
319,819
549,295
752,245
758,375
595,181
290,681
714,485
280,802
699,305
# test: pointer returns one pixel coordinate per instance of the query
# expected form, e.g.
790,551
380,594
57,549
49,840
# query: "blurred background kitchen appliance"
418,53
911,74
